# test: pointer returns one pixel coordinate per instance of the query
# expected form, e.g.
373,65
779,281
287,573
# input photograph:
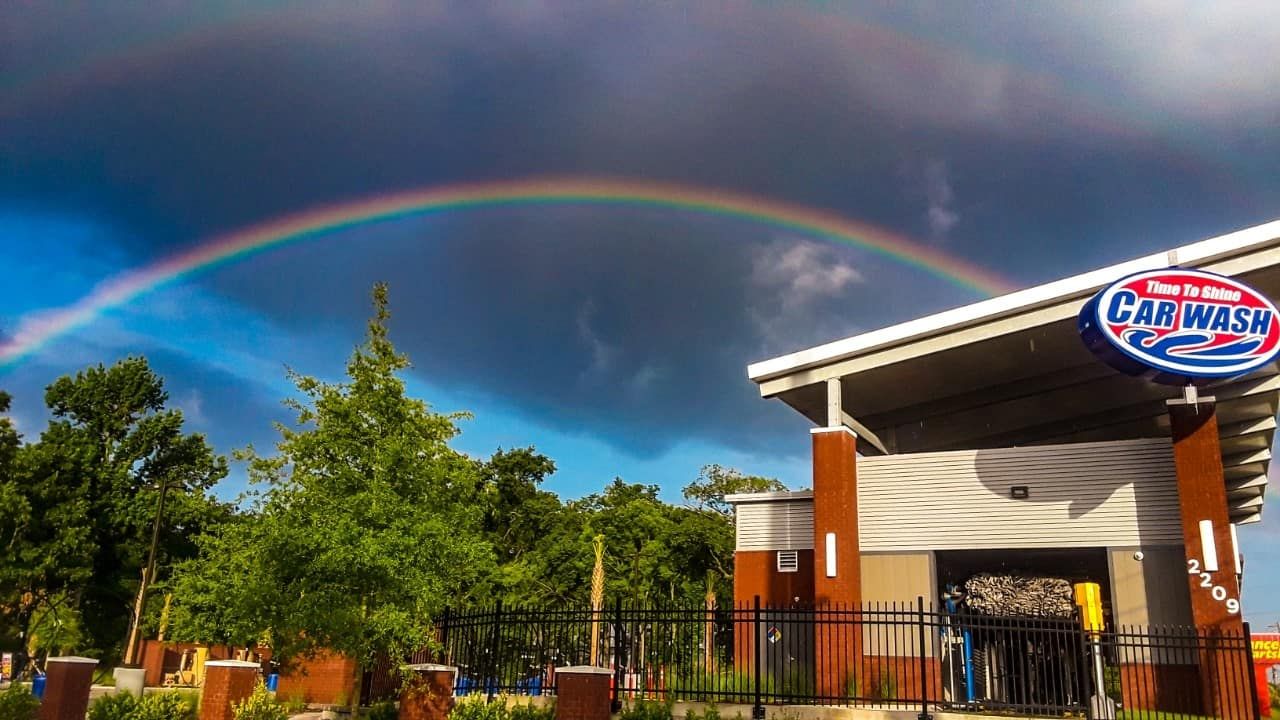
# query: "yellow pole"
164,617
131,650
597,598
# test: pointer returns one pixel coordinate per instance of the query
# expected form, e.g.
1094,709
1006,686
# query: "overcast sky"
1031,139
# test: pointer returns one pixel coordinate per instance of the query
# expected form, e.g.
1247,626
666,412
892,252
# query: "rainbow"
40,328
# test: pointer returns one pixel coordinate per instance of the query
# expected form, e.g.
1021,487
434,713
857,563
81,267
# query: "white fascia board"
1191,255
782,496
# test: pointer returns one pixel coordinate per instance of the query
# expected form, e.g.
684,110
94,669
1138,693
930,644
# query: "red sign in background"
1266,655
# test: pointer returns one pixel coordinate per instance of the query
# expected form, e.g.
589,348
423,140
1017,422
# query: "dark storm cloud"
633,325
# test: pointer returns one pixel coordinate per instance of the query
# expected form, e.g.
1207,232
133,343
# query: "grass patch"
1157,715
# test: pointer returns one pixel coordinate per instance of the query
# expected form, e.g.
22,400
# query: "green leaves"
366,526
79,504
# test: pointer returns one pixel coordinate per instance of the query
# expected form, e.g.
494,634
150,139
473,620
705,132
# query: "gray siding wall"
783,525
1081,495
1117,494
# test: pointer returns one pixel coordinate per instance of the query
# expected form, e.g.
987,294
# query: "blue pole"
968,666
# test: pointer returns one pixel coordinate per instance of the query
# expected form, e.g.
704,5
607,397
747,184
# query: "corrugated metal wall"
1081,495
1116,494
786,525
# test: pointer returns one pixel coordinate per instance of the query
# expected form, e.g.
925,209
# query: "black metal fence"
905,656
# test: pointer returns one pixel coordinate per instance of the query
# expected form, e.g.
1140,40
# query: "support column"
66,690
227,683
837,567
428,695
582,693
1211,563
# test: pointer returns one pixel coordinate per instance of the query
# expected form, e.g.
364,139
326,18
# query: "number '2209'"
1218,592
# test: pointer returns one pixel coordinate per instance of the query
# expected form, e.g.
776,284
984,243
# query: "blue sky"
1035,140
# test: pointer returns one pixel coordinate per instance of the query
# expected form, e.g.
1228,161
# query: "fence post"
616,704
757,710
924,664
1085,667
443,637
496,654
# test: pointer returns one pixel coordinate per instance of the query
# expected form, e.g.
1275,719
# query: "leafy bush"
710,712
886,688
477,708
116,706
293,704
261,705
725,686
529,711
384,711
157,706
165,706
17,703
646,710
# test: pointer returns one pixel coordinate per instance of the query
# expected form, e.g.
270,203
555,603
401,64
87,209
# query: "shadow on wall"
1126,478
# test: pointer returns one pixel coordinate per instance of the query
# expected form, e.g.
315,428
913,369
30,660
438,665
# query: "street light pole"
148,576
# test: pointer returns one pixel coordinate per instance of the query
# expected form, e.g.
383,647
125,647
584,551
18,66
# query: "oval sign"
1181,327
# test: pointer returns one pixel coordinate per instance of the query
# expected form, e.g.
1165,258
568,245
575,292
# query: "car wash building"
1112,428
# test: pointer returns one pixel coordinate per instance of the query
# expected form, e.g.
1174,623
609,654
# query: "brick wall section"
429,695
226,683
323,680
890,677
1163,688
582,693
66,690
755,572
835,510
152,661
1202,495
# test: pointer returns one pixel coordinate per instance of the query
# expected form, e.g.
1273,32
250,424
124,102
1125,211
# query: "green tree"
85,497
367,528
715,482
517,512
110,447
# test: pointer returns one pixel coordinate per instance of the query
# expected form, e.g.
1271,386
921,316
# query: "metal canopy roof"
1013,371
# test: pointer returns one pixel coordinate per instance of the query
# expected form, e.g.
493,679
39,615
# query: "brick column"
428,695
66,689
1211,564
582,693
226,683
837,580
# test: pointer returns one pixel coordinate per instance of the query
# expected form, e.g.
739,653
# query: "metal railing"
903,656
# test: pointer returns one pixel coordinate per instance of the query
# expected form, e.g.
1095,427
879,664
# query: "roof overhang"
1012,370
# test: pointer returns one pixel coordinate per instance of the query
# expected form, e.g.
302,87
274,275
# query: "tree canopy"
365,528
79,504
360,526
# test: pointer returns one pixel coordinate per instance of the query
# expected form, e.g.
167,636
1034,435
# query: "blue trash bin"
273,681
37,686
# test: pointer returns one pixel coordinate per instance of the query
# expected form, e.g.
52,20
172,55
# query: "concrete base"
130,680
825,712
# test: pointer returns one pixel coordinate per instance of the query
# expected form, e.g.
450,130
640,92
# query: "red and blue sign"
1181,327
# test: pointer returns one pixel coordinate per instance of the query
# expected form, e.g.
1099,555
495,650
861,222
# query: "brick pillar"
1211,563
837,581
66,689
226,683
582,693
428,695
